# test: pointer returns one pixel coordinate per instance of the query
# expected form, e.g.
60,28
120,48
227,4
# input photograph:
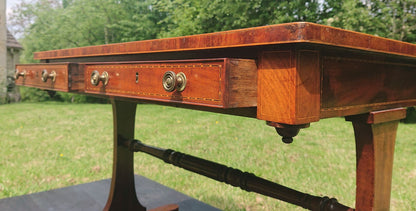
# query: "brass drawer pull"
18,74
45,76
172,81
96,78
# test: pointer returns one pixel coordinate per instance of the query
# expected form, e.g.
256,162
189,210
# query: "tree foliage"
394,19
56,24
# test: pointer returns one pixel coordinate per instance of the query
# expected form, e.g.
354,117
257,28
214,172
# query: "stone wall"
3,52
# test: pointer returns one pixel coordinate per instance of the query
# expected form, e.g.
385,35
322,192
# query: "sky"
10,4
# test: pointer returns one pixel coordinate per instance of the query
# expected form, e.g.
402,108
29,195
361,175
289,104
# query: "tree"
141,20
386,18
186,17
399,18
50,24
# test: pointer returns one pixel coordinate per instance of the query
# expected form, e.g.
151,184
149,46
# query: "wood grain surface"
289,87
225,83
300,32
375,136
358,85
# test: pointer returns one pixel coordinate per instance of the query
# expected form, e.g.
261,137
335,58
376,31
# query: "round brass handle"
96,78
18,74
169,81
181,81
172,81
46,75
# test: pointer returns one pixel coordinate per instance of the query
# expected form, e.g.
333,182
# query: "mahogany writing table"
289,75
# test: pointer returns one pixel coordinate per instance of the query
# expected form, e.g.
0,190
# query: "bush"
29,94
411,115
77,98
37,95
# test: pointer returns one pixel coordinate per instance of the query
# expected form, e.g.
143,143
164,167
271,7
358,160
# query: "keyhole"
137,78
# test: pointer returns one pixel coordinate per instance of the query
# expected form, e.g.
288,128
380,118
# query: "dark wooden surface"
353,85
93,196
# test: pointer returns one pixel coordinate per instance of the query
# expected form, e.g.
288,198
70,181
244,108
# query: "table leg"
375,135
122,193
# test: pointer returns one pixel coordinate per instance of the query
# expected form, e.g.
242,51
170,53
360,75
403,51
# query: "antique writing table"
288,75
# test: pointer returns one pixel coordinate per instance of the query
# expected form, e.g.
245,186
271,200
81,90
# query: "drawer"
226,83
51,76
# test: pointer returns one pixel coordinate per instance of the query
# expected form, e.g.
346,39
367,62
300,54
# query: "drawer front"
204,82
381,84
46,76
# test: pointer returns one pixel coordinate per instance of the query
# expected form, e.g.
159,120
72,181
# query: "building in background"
3,50
13,56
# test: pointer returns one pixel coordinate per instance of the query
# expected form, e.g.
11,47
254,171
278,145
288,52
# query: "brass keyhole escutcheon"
137,77
172,81
96,78
19,74
45,76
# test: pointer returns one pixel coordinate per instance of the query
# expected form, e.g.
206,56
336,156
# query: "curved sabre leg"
375,135
122,193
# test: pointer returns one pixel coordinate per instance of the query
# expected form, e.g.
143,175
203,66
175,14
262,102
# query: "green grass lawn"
50,145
